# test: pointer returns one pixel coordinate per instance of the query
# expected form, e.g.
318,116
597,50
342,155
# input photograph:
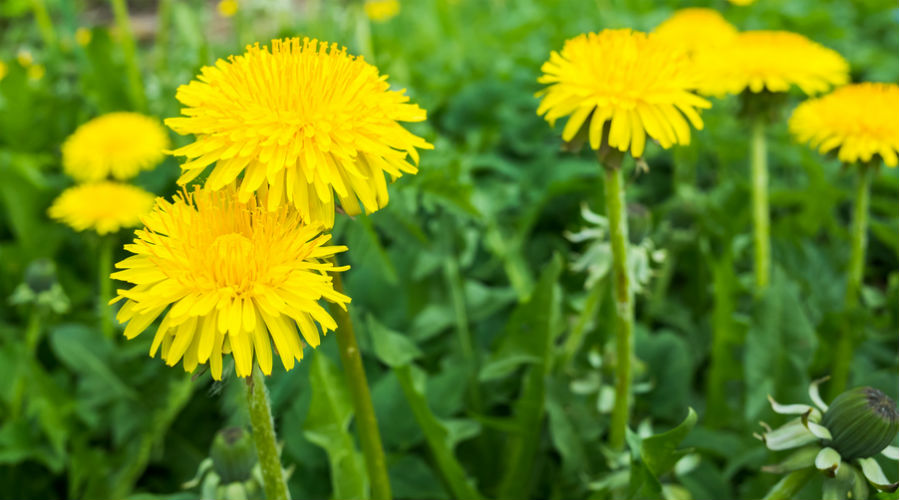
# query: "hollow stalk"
263,427
760,174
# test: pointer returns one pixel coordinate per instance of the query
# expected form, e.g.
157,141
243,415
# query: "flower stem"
790,484
724,338
45,24
624,299
105,267
760,173
32,338
264,437
844,350
129,50
366,423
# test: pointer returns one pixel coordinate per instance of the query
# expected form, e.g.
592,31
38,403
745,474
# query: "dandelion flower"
638,83
25,58
227,8
117,144
859,120
742,3
227,276
36,71
381,10
104,207
305,119
83,36
696,29
3,70
773,61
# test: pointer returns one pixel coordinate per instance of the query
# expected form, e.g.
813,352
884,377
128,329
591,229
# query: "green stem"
366,423
576,337
843,353
790,484
32,338
45,24
104,268
760,172
363,34
721,361
274,481
449,467
624,300
129,50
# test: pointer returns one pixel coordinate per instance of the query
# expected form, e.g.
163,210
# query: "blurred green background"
467,245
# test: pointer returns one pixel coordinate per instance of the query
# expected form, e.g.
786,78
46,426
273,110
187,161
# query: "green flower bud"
40,275
862,422
233,454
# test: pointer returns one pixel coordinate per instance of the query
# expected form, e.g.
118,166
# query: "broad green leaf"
660,451
392,348
85,350
327,425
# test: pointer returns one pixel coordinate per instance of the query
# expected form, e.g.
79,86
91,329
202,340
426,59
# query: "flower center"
231,260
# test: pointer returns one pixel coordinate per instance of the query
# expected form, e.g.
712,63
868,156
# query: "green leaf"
85,350
327,425
779,348
530,332
392,348
660,451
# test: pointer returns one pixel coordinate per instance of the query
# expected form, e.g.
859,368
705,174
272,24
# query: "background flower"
104,207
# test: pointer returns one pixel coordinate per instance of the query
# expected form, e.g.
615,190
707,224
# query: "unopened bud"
862,422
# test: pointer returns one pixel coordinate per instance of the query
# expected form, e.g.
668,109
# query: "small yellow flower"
25,58
306,120
36,72
227,8
117,144
104,207
696,29
83,36
382,10
772,61
640,84
859,120
742,3
3,70
228,276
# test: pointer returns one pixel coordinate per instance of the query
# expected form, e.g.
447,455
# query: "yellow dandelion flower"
36,71
696,29
859,120
104,207
227,8
638,83
83,36
25,58
773,61
117,144
3,70
742,3
305,119
381,10
227,276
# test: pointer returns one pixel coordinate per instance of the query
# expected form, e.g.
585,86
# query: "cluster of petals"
104,207
304,119
227,275
638,84
860,121
697,29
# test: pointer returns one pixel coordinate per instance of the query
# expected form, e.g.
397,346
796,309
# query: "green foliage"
489,359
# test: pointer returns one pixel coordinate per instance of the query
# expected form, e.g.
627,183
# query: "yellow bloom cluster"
102,206
696,29
637,83
117,145
860,121
305,119
381,10
772,61
227,276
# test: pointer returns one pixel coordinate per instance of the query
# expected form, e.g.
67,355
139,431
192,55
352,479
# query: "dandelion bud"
862,421
233,454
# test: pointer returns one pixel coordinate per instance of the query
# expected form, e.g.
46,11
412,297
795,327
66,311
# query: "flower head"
696,29
4,69
381,10
227,276
117,144
839,440
859,120
770,60
104,207
638,83
83,36
227,8
305,119
742,3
